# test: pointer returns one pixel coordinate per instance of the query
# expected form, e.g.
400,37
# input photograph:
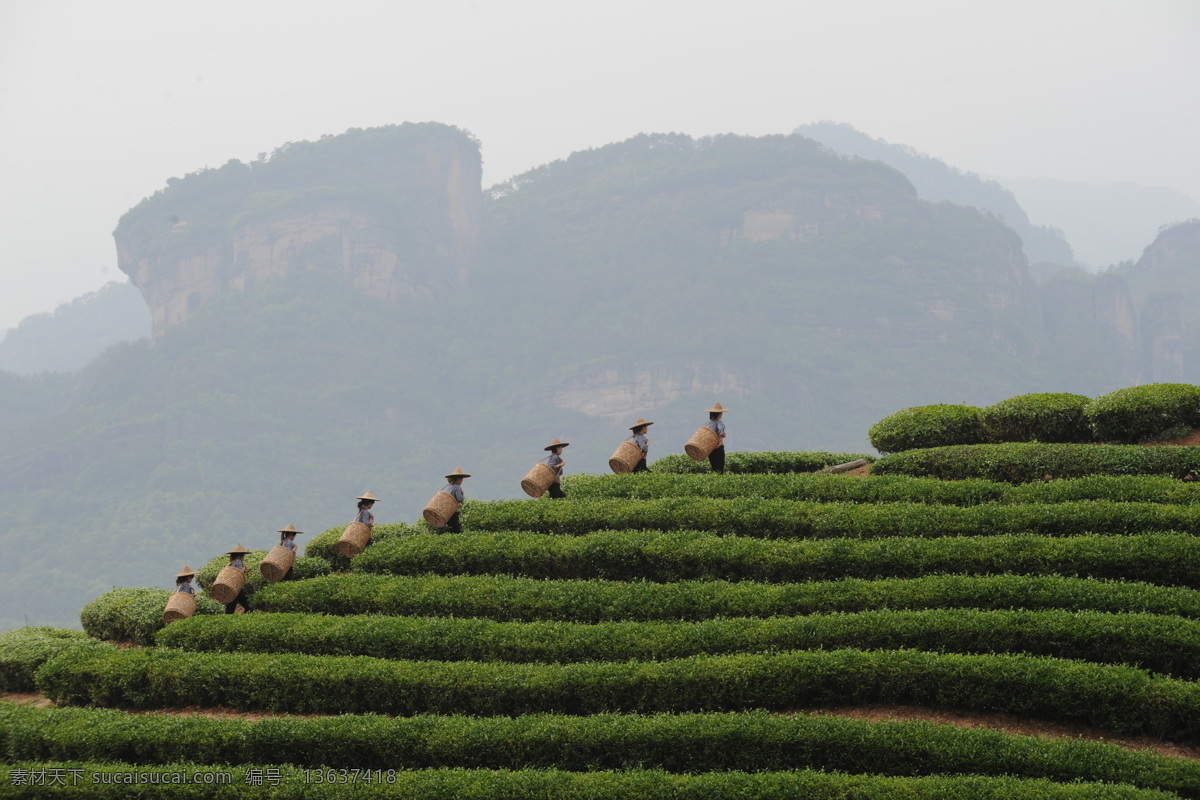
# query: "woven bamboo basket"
181,605
276,563
625,458
227,585
703,442
440,509
538,480
354,539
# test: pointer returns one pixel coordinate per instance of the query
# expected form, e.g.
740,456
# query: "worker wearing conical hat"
716,459
287,538
455,490
240,603
556,463
639,439
183,580
365,502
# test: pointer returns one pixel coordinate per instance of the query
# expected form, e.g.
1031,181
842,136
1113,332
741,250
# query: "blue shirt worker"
240,603
716,459
183,581
366,501
556,463
643,444
455,490
287,538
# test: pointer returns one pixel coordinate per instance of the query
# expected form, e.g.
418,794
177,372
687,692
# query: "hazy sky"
101,102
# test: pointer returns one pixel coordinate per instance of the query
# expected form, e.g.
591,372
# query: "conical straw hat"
458,473
237,550
367,496
186,571
639,424
716,409
556,443
289,529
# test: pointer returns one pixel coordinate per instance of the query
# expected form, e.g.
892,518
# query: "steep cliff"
397,210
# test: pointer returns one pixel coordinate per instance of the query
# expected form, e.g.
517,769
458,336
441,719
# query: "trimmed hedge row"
1118,699
927,426
1143,413
505,598
1019,463
791,519
1168,559
104,781
24,650
884,489
1037,418
758,462
748,742
134,614
1164,644
304,567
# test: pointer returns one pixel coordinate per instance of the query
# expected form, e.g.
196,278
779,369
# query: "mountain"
1107,224
937,181
76,332
357,314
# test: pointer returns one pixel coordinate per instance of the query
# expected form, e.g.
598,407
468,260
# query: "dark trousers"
641,466
556,491
240,600
716,459
454,524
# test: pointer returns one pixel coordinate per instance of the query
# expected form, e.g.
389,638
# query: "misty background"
377,242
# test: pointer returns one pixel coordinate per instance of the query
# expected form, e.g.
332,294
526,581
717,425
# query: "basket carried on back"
354,539
276,563
702,443
181,605
625,458
538,480
440,509
229,582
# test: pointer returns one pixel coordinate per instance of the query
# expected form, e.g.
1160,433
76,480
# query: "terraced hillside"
770,635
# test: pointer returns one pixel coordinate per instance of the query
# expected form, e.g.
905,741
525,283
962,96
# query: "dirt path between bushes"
1003,723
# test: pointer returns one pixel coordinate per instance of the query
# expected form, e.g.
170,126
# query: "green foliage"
927,426
134,615
1163,559
303,567
789,519
1037,418
1144,413
109,781
756,462
1120,700
506,598
1019,463
685,743
324,545
1164,644
23,650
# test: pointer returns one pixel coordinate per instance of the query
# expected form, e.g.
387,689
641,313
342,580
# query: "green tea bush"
790,519
927,426
23,650
781,462
1164,644
1169,559
303,567
324,545
134,614
690,743
1037,418
1019,463
1144,413
1118,699
110,781
512,599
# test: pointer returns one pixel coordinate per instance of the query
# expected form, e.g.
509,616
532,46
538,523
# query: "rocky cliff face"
409,231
